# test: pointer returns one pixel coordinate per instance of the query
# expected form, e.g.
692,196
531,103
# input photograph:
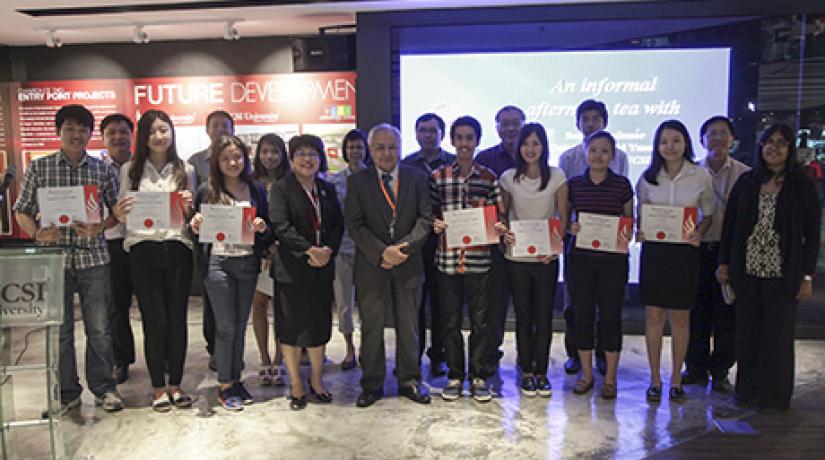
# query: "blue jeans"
230,284
93,286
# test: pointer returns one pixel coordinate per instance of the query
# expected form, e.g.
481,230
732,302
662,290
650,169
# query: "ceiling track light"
230,32
140,35
52,40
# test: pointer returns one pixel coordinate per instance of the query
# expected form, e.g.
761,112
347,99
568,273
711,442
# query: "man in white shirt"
591,116
710,316
117,132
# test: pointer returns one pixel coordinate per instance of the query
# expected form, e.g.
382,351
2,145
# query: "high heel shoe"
324,398
298,403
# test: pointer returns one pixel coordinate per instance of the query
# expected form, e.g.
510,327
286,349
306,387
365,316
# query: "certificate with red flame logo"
471,227
63,205
668,224
155,211
536,238
227,224
604,233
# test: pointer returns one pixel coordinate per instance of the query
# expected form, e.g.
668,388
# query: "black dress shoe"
415,393
298,403
368,398
572,366
721,385
324,398
601,365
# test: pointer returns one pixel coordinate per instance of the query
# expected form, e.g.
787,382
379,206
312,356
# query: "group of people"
377,230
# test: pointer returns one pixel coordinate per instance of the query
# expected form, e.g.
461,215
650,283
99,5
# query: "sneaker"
479,390
528,385
572,366
229,399
278,375
109,401
544,387
452,391
241,391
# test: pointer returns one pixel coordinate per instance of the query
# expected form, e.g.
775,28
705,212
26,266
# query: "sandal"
162,404
582,386
654,394
265,375
181,400
677,394
609,391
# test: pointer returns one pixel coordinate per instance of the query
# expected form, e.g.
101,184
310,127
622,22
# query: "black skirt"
669,275
303,313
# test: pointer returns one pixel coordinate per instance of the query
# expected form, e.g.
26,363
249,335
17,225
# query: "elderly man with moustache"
388,214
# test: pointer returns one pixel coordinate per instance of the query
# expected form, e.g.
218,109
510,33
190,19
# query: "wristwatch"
808,278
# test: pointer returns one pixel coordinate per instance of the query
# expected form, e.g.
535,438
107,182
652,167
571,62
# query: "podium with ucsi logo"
31,312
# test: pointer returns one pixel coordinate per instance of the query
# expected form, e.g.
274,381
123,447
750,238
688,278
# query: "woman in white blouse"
160,258
533,190
669,272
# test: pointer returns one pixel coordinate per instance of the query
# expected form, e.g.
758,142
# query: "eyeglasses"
780,143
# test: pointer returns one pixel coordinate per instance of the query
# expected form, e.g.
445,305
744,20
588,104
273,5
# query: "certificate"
604,233
63,205
155,211
471,227
536,238
227,224
668,224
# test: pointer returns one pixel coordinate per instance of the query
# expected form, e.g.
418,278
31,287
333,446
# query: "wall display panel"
320,103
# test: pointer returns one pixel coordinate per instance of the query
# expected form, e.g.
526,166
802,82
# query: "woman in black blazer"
768,252
309,225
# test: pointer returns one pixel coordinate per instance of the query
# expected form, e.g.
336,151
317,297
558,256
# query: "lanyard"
387,194
316,208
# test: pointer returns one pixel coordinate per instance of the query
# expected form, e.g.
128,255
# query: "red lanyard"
387,194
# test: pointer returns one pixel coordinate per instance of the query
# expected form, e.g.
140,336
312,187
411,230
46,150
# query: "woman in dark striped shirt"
598,277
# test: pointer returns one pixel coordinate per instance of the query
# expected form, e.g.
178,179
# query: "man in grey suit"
388,214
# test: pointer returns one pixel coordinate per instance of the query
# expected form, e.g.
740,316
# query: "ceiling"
92,21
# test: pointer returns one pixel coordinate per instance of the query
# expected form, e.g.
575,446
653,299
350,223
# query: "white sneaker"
109,401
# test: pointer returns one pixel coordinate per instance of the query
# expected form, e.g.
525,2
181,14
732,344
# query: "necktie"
387,179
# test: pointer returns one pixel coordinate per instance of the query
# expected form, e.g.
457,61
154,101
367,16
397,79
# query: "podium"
31,312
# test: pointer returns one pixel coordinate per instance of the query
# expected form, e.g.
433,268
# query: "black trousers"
534,290
429,296
201,271
123,341
598,279
710,316
570,313
452,289
498,293
765,320
162,274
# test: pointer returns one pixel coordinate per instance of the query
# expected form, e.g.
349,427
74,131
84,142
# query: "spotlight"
140,35
52,41
230,32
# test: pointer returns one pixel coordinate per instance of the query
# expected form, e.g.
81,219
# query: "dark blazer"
368,217
257,195
797,223
290,208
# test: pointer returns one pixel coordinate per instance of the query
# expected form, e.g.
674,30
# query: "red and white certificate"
599,232
155,211
668,224
227,224
471,227
63,205
536,238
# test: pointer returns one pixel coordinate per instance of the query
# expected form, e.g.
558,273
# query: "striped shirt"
55,171
607,198
450,193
